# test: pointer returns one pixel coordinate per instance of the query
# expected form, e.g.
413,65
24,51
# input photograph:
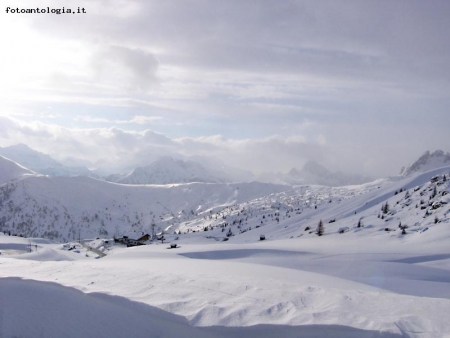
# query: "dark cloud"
377,43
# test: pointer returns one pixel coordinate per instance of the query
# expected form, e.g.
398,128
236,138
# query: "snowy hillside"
168,170
418,202
427,162
64,208
11,171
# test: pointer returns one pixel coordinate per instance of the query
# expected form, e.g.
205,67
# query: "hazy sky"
360,86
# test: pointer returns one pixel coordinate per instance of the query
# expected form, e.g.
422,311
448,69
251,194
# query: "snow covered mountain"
427,162
11,171
28,157
42,163
168,170
61,207
64,207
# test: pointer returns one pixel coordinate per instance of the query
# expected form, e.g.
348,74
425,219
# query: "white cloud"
138,119
121,147
350,78
117,147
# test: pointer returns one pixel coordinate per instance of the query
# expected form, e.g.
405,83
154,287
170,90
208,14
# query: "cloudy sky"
265,85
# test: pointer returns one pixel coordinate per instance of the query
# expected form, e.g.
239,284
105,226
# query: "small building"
133,239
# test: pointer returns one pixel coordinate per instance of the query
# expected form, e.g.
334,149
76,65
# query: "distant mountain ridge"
427,162
168,170
42,163
28,157
165,170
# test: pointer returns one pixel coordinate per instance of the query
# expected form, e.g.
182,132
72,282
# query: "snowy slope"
64,208
11,171
427,162
288,214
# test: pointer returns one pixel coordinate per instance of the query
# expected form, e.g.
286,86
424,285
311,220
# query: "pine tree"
403,228
386,208
320,229
433,195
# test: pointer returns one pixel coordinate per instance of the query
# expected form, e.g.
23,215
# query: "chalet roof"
134,234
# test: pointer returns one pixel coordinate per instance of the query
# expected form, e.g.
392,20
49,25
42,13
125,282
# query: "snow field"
238,285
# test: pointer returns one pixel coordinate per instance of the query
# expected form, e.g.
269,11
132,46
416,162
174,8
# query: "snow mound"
31,308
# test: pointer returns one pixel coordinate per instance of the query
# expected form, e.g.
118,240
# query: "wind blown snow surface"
362,278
